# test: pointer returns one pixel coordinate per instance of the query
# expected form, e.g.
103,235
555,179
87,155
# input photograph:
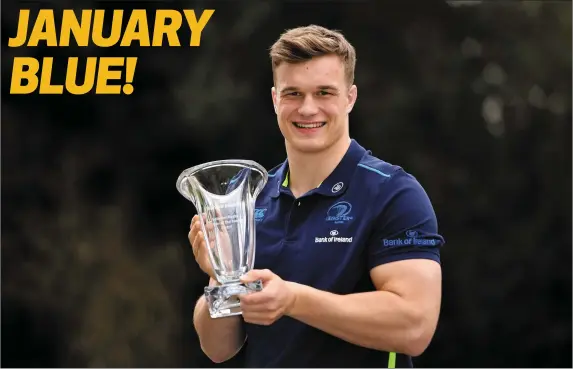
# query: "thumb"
256,274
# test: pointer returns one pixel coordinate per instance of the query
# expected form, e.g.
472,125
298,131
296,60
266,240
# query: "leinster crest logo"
339,212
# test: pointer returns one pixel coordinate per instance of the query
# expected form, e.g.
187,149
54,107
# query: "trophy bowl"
224,194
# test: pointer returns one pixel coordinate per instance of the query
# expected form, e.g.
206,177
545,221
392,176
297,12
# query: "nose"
308,106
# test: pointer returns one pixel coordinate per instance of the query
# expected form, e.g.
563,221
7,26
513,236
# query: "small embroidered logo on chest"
337,187
260,214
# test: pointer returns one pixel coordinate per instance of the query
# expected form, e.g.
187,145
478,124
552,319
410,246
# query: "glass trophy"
224,194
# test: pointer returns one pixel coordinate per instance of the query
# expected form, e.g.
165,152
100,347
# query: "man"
347,244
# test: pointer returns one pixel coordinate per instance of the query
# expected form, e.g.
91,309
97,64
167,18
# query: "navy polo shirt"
366,213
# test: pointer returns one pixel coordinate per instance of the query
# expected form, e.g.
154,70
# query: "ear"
274,97
352,96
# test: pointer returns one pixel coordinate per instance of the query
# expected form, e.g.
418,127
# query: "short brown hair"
303,43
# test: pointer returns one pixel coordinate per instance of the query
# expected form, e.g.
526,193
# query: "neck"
309,170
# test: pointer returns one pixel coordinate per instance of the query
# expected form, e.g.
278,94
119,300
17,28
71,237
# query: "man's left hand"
267,306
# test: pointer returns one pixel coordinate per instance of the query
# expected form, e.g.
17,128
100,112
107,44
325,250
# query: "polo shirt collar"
335,184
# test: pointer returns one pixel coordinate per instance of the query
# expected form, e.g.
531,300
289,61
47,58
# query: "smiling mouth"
309,125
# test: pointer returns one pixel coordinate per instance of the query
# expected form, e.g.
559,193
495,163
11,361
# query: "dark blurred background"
473,98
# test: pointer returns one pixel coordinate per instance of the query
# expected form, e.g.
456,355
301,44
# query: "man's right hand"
197,240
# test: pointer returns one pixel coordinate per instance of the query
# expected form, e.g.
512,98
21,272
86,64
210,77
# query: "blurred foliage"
473,98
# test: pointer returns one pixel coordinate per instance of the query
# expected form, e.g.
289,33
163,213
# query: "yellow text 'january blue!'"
103,75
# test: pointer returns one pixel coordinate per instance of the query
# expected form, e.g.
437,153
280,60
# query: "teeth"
309,125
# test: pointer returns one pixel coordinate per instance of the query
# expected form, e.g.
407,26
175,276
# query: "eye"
323,93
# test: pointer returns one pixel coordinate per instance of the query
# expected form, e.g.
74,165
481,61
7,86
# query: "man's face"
312,102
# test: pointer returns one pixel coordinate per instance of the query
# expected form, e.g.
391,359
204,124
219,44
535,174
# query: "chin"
309,145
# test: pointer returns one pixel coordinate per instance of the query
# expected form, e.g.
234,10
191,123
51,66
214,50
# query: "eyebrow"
327,87
288,89
321,87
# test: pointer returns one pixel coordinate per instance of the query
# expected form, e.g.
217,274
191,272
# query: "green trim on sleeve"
391,360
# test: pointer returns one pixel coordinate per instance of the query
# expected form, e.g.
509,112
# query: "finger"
195,227
191,238
255,299
210,232
263,318
256,307
221,215
195,250
208,228
194,220
198,219
198,240
264,275
218,213
198,244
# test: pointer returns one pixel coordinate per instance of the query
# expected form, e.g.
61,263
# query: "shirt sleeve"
406,227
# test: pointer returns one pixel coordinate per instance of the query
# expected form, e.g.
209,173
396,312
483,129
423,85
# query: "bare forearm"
379,320
220,338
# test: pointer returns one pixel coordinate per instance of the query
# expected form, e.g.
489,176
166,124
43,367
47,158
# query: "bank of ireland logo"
412,238
339,212
411,234
260,214
333,238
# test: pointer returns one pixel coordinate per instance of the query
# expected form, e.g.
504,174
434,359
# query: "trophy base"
223,301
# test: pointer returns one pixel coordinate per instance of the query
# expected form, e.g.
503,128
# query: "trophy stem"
223,301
